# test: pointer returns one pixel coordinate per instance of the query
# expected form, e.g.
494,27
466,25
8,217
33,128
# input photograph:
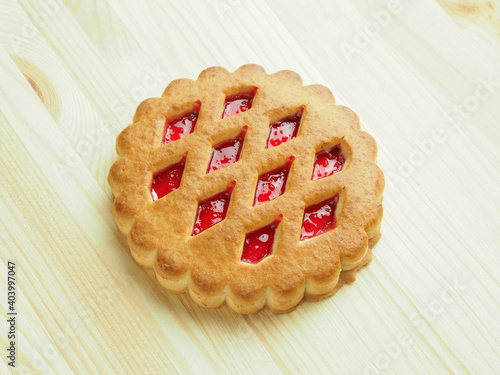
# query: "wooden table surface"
425,84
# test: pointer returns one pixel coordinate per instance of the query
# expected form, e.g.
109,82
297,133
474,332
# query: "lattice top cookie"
247,188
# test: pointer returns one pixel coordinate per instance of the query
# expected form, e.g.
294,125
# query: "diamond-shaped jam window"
283,130
328,162
226,152
259,244
272,184
319,218
182,125
238,103
212,210
167,180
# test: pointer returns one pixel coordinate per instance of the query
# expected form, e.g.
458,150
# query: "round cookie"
248,188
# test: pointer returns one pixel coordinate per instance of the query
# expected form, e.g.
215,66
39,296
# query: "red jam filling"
212,210
167,180
238,103
284,130
319,218
180,126
328,162
259,244
272,184
226,152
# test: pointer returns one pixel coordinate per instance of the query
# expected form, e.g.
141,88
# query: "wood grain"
485,14
428,90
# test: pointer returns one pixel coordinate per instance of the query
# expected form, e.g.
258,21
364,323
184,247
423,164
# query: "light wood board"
427,88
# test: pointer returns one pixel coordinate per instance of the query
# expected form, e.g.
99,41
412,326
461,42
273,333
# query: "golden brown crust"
208,265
